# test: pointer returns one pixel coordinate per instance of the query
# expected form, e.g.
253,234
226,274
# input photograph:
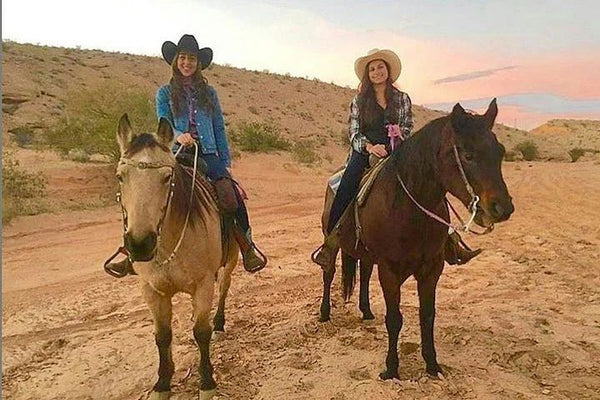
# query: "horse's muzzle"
497,210
141,249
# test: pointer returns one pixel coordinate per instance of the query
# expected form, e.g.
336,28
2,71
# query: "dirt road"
522,321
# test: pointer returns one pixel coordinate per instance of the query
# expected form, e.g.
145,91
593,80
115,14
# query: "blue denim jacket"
210,126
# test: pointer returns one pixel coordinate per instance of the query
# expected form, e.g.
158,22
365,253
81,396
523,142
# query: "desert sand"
521,321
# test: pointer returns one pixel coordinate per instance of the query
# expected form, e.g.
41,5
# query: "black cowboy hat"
189,44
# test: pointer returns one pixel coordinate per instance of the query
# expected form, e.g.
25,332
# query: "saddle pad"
335,179
367,181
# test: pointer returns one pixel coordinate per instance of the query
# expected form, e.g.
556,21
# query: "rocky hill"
560,137
38,79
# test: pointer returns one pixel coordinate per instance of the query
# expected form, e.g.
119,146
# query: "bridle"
472,207
156,165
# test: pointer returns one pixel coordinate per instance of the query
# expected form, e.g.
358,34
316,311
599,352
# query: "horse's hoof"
324,318
385,375
160,395
207,394
368,316
435,371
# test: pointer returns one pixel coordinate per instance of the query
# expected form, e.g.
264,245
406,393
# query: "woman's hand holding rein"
377,149
185,139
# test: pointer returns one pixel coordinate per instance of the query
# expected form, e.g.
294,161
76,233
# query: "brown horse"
458,154
173,234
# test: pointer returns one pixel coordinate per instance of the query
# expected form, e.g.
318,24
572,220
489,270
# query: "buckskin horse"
403,224
173,234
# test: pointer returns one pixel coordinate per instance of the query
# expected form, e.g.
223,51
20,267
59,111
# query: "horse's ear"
491,113
457,116
165,132
125,133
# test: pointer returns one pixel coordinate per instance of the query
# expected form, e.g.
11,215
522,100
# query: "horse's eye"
469,156
167,179
119,178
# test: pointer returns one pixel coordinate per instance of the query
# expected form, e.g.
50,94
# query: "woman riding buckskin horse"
380,117
193,109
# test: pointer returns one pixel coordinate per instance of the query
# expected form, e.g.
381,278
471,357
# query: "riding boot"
253,262
120,269
324,255
457,252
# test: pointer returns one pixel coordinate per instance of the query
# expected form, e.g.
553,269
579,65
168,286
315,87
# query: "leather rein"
472,204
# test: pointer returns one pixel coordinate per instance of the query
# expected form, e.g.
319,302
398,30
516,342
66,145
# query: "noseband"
472,204
166,207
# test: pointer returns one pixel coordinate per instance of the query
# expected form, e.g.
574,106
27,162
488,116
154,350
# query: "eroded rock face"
12,101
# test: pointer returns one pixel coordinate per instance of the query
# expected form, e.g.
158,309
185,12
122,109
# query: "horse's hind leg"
426,287
366,269
225,282
390,283
326,301
202,333
161,309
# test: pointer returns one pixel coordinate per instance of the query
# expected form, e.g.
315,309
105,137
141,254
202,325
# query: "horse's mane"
411,153
201,201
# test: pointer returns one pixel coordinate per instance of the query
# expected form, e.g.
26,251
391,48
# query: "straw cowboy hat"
188,44
392,60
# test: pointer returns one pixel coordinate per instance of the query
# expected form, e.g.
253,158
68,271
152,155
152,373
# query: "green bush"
21,190
304,152
528,149
510,155
576,153
90,119
258,137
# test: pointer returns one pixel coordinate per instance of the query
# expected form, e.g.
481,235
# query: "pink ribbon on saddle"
394,134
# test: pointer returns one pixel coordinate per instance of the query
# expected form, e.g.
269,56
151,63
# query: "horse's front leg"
328,275
366,269
390,283
202,299
161,309
426,286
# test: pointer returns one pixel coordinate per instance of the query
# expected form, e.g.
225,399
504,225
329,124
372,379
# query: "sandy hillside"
559,136
520,322
37,81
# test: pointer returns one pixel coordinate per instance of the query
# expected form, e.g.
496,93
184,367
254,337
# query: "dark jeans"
215,170
348,188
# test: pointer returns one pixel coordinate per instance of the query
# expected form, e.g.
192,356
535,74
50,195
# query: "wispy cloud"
471,75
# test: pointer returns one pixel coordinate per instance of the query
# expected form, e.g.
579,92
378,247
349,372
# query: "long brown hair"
367,102
199,89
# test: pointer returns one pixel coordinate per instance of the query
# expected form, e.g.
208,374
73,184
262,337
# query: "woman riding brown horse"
458,154
380,117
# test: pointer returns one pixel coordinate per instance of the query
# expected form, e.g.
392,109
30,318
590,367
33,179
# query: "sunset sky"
541,59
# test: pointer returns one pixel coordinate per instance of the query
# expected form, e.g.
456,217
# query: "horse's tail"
348,275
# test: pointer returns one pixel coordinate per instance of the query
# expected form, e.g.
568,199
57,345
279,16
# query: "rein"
472,204
166,208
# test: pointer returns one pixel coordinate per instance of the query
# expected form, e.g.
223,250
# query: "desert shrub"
23,135
304,152
528,149
576,153
90,119
258,137
510,155
21,190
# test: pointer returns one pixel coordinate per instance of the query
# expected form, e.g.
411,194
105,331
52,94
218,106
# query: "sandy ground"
522,321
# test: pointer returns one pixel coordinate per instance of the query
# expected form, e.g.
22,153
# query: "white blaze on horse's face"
145,175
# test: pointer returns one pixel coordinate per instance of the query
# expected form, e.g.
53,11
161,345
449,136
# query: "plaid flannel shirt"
358,140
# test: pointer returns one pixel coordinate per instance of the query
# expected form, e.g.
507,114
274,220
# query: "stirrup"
260,259
109,266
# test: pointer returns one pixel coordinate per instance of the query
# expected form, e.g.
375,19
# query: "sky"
540,59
